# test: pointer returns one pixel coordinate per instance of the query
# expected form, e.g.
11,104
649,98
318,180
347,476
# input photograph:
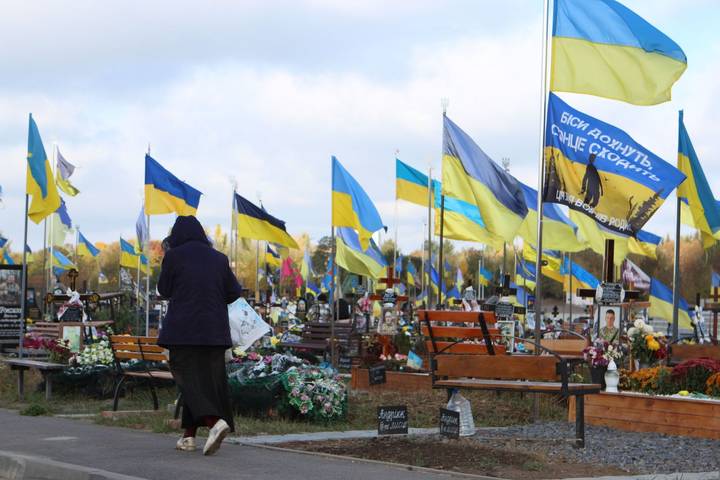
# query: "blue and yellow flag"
165,193
3,241
485,277
462,220
525,273
420,299
255,223
28,253
470,176
661,305
645,243
552,259
411,273
350,255
272,257
312,289
351,206
61,263
453,293
602,48
6,258
411,185
715,279
39,184
306,269
699,207
600,171
144,265
128,255
581,278
559,232
84,247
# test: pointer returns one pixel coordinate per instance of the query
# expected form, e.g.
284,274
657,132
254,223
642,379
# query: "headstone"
504,310
345,362
449,423
610,293
377,375
393,420
10,298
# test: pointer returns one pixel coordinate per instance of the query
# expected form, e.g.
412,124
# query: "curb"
15,466
399,466
318,436
659,476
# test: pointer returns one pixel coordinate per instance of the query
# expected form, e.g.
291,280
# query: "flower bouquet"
598,356
646,345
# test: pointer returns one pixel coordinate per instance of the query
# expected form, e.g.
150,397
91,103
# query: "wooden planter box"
680,353
396,381
645,413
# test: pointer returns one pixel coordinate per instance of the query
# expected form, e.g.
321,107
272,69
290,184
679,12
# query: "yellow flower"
683,393
405,328
654,345
274,341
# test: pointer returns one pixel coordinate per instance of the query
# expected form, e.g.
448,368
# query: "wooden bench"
146,349
316,337
458,363
681,352
45,368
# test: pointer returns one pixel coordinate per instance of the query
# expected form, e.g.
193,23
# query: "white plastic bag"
246,326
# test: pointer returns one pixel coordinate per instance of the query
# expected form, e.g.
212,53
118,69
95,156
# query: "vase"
612,378
640,365
597,375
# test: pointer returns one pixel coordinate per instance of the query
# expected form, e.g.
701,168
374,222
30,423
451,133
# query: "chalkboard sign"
449,423
389,296
392,420
377,375
504,310
345,362
610,293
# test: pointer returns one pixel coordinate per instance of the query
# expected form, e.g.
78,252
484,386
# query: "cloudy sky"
264,92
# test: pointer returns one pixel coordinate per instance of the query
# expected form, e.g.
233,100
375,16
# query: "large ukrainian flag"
411,184
351,206
350,255
581,277
699,207
462,220
525,273
470,176
661,305
39,183
165,193
254,222
559,232
84,247
61,263
602,48
485,277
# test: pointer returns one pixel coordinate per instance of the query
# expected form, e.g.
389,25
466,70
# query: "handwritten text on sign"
392,420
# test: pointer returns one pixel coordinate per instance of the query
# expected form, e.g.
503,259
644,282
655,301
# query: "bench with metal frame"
456,364
145,349
316,337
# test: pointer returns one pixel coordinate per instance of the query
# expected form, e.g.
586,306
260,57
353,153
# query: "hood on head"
187,229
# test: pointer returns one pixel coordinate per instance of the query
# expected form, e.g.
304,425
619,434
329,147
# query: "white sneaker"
216,436
186,444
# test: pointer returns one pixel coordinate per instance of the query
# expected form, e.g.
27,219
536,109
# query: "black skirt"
199,372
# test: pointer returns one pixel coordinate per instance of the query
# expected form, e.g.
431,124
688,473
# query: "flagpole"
333,306
570,286
676,271
51,238
429,237
44,267
147,284
77,235
137,297
23,297
541,173
257,271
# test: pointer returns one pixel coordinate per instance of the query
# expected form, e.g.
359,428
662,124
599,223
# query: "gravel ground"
646,453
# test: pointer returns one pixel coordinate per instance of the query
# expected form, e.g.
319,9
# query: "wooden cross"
73,274
390,281
608,274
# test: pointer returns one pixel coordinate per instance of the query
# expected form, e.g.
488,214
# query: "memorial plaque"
449,423
377,375
504,310
345,362
10,299
611,293
392,420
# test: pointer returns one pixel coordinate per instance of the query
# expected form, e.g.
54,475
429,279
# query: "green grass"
489,409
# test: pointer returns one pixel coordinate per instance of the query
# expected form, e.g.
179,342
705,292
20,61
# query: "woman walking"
200,284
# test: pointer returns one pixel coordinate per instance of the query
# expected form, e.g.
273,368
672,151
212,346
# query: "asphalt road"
152,456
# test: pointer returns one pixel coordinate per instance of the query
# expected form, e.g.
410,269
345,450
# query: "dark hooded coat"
199,283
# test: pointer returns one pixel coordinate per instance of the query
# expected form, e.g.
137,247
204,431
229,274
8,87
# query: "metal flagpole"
257,271
137,297
570,287
541,182
676,271
77,239
333,305
147,282
429,238
51,237
44,267
23,301
422,271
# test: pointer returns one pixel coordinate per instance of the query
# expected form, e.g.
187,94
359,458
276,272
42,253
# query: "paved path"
152,456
